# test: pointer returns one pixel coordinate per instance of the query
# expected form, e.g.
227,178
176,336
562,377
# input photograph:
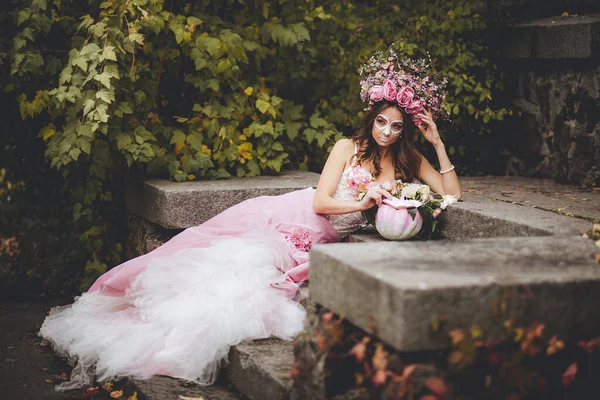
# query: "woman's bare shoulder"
344,146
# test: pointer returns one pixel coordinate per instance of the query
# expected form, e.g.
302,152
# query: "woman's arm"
324,203
446,183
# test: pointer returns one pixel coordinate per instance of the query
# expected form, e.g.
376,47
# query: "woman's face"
388,126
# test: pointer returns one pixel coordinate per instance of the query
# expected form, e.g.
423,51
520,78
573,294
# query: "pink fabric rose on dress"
300,239
405,96
389,90
376,93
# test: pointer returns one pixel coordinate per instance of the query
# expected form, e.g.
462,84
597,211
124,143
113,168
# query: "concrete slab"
176,205
261,369
401,287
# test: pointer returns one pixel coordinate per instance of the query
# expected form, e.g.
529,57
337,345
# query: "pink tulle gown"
177,310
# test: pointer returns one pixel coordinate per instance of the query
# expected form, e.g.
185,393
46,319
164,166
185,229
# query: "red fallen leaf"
379,378
408,370
359,350
436,385
328,316
570,374
91,393
429,397
587,346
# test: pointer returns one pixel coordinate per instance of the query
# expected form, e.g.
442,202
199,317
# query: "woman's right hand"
374,196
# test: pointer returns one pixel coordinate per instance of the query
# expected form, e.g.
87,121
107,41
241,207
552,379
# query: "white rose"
447,200
425,192
410,191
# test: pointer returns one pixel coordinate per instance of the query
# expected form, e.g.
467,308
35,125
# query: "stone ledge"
557,38
485,217
402,286
261,369
175,205
166,388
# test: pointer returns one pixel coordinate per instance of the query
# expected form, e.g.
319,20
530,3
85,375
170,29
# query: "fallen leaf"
429,397
359,350
457,336
436,385
116,394
570,374
108,386
408,370
379,378
597,256
133,396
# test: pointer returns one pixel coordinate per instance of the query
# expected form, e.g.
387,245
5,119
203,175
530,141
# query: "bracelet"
447,170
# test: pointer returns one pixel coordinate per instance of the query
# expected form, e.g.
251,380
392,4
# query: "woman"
177,310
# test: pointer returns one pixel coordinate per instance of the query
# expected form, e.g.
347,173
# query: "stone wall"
554,65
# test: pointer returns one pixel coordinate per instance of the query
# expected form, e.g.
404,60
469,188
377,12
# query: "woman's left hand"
429,128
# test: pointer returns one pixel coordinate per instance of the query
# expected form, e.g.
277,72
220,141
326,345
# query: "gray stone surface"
403,286
261,369
486,217
556,38
175,205
544,194
165,388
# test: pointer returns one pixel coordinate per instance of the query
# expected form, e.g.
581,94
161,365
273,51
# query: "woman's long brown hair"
405,157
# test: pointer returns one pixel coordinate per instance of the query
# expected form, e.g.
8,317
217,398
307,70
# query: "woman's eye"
380,122
397,127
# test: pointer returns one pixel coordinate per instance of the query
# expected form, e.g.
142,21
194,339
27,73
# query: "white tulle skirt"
180,316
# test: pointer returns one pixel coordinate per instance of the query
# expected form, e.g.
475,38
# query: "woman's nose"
387,131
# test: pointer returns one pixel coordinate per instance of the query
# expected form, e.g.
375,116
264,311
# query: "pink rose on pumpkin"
405,96
376,93
389,90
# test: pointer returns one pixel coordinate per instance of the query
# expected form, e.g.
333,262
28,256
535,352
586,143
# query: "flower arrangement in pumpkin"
413,206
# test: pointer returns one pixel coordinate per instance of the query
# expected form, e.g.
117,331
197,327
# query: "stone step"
166,388
174,205
402,286
261,369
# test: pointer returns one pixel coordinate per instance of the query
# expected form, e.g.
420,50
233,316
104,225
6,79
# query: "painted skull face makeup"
387,126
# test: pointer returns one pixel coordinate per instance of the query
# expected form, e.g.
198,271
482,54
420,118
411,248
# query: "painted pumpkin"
397,224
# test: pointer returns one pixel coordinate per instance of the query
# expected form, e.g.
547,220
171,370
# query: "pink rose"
414,107
389,90
300,239
405,96
437,212
376,93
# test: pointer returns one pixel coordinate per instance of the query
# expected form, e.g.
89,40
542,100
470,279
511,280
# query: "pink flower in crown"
300,239
389,90
405,96
415,107
376,93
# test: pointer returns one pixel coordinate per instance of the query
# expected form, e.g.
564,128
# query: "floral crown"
412,84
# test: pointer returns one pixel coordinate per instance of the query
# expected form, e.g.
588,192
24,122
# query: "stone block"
261,369
166,388
557,38
486,217
400,287
175,205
